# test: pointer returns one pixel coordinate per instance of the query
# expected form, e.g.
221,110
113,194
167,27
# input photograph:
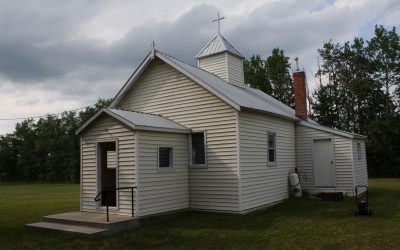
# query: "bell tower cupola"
220,58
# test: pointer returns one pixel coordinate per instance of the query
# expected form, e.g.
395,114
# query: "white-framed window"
165,158
271,149
198,149
359,156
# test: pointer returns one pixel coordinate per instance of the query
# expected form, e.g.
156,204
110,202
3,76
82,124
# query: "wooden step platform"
72,229
85,223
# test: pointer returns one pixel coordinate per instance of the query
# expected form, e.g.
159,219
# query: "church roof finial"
218,44
218,23
152,49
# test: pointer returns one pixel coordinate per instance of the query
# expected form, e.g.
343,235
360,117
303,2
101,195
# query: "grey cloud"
38,47
76,65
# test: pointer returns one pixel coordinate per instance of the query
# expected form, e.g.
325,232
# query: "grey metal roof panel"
244,97
313,124
217,45
147,120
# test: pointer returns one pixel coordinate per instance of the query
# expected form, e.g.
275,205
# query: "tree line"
46,150
358,91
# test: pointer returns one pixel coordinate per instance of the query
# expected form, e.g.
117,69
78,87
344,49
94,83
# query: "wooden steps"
85,224
72,229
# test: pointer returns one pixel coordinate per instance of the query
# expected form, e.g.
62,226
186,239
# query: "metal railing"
102,195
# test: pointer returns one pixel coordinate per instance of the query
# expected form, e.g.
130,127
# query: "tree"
46,150
384,50
383,147
271,75
351,97
8,158
358,95
277,68
255,74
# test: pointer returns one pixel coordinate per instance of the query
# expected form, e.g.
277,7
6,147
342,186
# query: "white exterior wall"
360,166
343,160
261,184
216,64
162,191
126,177
235,70
165,91
225,66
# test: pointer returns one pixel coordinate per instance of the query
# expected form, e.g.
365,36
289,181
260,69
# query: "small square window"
271,149
359,157
165,157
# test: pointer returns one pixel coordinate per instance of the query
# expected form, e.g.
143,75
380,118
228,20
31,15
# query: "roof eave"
286,117
332,130
159,129
95,116
219,52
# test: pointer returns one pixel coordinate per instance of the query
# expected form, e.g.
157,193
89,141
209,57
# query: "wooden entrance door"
323,163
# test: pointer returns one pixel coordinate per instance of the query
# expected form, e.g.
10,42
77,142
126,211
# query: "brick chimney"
300,96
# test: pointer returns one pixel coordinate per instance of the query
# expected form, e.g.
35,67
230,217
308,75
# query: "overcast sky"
62,55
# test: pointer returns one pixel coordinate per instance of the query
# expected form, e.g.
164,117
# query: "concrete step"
98,220
66,228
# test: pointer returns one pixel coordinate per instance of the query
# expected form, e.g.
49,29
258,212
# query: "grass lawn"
293,224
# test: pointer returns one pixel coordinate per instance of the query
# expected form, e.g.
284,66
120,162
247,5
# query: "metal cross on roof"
217,20
152,49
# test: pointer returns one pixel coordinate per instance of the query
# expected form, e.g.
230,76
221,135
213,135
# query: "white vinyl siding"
343,160
162,191
235,70
262,185
165,91
107,128
215,64
360,165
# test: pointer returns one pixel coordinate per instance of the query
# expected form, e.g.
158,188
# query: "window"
165,158
198,149
359,151
271,149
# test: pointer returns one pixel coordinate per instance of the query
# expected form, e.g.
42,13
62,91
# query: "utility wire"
42,116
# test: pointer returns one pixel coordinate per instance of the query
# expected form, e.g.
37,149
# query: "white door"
323,163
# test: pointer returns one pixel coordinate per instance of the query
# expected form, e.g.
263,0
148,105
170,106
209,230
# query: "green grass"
293,224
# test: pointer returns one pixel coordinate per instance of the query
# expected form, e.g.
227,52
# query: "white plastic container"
295,187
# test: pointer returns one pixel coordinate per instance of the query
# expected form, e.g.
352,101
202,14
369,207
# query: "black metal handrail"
104,191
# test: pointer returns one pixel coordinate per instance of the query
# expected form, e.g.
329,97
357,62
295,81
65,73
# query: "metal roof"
235,96
246,97
139,121
217,45
313,124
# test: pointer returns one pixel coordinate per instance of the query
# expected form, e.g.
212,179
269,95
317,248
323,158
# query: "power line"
42,116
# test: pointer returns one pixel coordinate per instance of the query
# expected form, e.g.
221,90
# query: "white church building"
199,138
